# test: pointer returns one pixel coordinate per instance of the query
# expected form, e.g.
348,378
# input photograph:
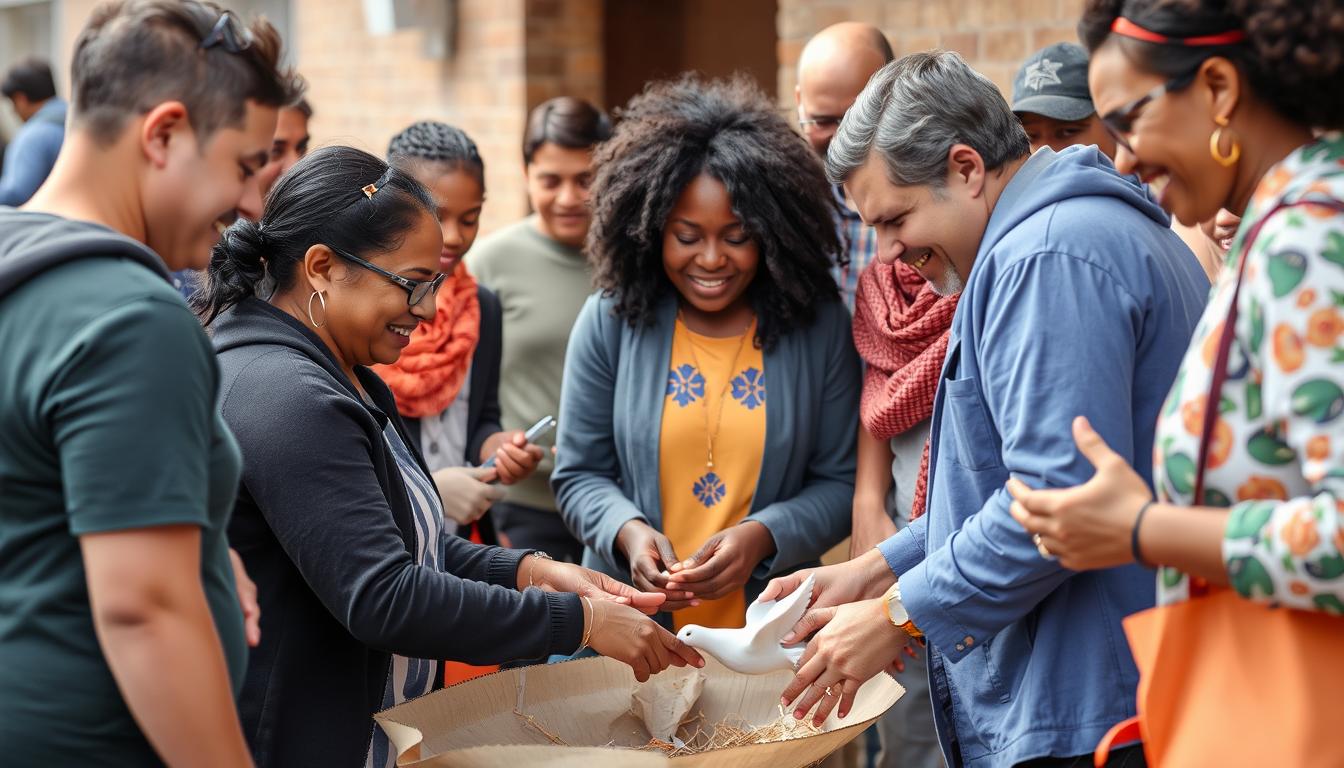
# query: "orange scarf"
431,370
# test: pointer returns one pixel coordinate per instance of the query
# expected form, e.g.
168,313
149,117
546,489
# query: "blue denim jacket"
1081,301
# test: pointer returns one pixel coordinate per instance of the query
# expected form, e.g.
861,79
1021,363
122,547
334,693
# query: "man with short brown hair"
121,633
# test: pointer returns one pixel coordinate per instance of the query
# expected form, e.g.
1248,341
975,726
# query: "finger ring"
1041,548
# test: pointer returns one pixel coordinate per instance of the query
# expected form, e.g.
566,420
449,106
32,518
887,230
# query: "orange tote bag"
1227,682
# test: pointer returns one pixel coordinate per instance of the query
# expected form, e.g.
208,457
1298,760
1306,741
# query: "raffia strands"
702,737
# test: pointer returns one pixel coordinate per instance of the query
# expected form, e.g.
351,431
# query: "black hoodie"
324,526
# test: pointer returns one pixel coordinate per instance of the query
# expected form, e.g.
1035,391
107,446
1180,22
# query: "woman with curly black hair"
1232,104
711,385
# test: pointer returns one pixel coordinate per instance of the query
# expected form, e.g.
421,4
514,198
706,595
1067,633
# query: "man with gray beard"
1076,298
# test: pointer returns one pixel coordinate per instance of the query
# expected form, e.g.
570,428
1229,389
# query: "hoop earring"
321,299
1216,138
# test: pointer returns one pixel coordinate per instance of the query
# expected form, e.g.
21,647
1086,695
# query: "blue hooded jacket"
1081,301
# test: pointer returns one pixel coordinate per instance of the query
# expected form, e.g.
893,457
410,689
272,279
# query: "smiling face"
558,179
935,232
1168,137
368,319
707,254
1045,131
192,191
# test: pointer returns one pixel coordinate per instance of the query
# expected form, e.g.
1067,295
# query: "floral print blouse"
1277,452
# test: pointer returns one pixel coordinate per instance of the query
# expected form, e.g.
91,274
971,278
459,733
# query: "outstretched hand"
856,641
567,577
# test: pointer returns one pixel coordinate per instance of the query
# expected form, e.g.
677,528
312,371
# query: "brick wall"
993,35
510,55
507,56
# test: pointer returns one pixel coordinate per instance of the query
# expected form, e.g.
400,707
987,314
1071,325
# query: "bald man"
833,68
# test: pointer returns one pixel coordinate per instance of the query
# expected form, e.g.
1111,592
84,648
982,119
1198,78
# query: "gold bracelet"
587,625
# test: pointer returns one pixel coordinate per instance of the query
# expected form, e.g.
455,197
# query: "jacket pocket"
977,443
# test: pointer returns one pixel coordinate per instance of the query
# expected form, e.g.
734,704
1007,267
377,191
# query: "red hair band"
1126,28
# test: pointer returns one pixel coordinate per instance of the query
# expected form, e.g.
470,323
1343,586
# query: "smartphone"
546,424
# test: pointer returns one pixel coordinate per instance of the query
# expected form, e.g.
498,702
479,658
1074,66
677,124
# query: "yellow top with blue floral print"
698,501
1277,453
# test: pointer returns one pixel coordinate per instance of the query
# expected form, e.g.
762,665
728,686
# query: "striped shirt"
860,241
410,678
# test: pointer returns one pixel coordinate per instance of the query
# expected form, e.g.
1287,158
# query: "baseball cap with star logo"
1053,82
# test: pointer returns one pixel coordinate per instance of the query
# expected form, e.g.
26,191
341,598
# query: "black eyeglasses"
228,33
416,290
1119,122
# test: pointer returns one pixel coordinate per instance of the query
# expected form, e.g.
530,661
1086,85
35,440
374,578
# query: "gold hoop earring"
323,301
1216,138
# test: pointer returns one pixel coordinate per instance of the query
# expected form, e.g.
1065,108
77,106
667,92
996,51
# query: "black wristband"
1134,534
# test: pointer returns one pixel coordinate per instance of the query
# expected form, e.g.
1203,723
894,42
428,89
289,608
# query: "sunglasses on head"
229,34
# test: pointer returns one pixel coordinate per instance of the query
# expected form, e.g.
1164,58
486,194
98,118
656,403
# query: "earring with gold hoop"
323,301
1216,138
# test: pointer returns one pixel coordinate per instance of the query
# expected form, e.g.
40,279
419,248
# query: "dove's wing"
757,611
785,612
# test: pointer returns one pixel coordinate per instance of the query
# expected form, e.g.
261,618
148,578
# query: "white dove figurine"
755,649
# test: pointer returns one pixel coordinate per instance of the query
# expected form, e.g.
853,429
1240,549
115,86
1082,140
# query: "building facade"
374,66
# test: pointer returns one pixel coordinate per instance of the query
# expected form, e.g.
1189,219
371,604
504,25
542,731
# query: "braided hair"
430,141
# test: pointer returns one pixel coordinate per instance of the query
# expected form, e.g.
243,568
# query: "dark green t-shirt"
108,389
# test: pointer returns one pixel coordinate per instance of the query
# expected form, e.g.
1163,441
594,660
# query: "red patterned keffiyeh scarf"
901,329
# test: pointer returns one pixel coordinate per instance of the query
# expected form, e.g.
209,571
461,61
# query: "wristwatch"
896,613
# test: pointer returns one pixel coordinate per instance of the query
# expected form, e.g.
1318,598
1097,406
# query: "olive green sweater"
541,285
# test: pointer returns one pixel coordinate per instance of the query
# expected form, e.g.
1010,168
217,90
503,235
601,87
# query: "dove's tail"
795,653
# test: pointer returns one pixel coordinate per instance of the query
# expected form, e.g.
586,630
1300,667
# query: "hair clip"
370,189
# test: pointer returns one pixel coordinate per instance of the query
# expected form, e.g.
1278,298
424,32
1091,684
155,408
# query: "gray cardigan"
611,408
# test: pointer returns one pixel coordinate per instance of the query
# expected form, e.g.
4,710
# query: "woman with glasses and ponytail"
1233,105
337,516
